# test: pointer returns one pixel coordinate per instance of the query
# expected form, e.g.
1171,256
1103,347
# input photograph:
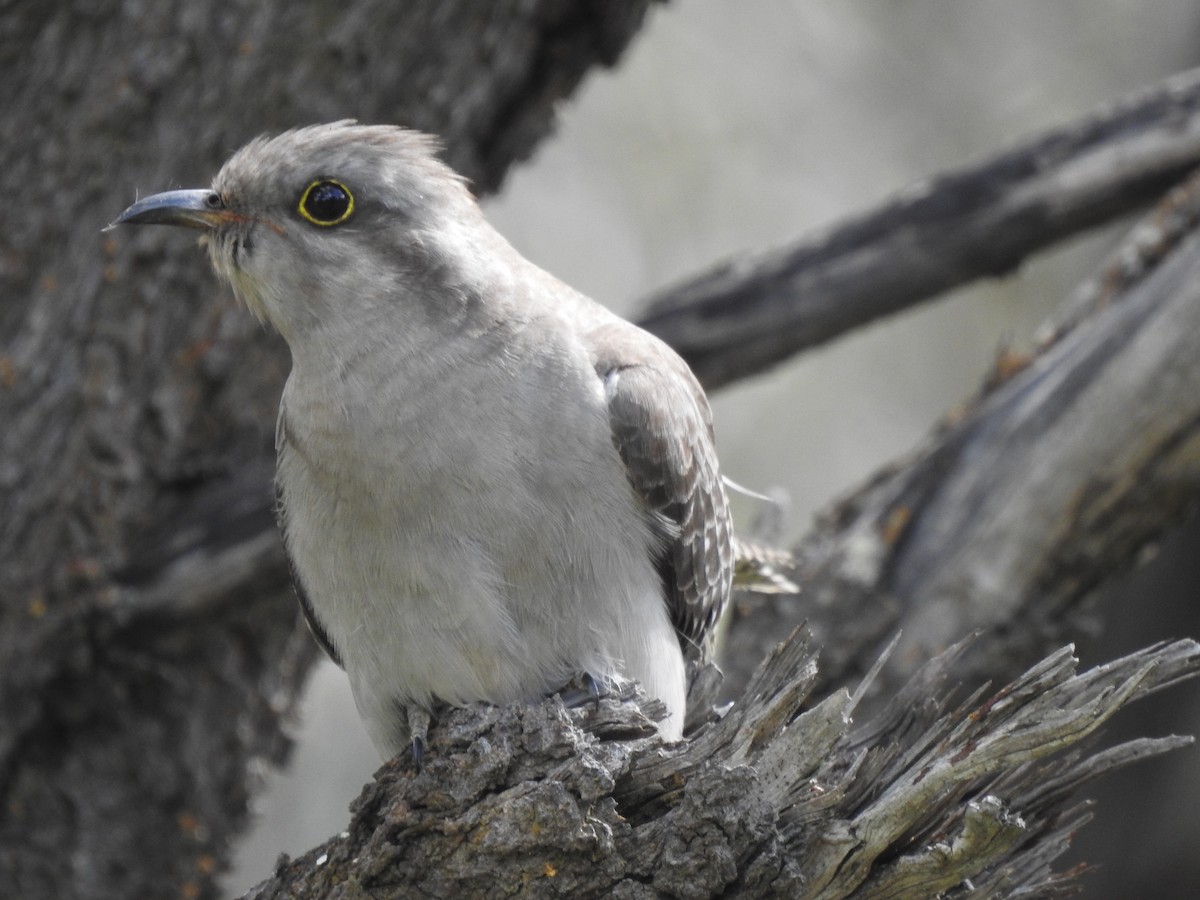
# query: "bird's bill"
200,209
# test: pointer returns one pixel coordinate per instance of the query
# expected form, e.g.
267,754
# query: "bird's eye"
326,203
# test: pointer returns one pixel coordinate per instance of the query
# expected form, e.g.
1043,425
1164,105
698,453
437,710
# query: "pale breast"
465,549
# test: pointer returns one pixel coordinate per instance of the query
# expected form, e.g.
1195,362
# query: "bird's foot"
418,733
580,691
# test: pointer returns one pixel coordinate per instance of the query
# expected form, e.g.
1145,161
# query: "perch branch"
772,800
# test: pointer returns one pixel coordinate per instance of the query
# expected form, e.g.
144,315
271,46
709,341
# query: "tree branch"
1022,503
773,800
751,312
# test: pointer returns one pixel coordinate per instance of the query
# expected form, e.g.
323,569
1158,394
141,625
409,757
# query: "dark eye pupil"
326,202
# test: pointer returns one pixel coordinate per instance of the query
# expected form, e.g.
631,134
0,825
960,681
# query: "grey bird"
489,485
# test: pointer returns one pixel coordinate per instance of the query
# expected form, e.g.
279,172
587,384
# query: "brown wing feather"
662,428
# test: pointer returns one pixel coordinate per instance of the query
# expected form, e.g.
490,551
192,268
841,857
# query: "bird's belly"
459,589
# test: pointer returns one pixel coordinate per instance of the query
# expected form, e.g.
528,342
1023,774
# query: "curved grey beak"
202,209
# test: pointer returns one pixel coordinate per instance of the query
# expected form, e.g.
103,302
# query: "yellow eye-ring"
326,202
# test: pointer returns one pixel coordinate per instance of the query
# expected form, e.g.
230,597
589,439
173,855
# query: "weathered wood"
773,800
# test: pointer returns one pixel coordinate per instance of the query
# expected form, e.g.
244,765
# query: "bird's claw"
418,731
583,690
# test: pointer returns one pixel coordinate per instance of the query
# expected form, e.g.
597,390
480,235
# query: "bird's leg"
418,733
580,691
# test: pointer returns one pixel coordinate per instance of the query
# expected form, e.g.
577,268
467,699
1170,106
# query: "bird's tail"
761,569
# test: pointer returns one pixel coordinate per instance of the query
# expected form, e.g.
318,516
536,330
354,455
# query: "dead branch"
1020,504
780,798
754,311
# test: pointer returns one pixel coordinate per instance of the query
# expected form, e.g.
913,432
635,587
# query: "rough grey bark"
135,711
932,797
146,626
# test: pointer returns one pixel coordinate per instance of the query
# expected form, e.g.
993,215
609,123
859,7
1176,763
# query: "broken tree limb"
1019,505
780,798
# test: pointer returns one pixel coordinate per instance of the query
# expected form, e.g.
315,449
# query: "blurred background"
740,126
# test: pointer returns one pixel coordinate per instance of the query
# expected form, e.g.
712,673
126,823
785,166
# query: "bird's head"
329,223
